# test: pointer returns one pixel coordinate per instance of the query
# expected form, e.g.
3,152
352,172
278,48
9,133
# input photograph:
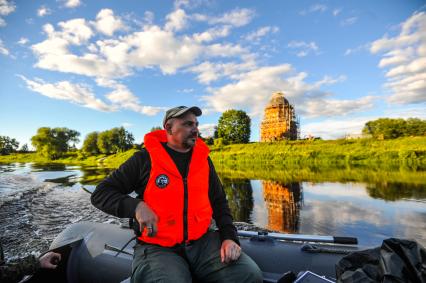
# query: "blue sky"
94,65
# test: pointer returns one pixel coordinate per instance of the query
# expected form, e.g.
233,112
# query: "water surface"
39,201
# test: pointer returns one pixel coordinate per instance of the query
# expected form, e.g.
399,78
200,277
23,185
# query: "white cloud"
333,128
113,58
70,47
64,90
189,4
148,17
186,90
261,32
212,34
23,41
43,11
107,23
156,47
303,48
336,12
72,3
207,130
332,107
314,8
3,49
54,54
176,21
252,90
349,21
123,98
119,98
235,18
6,7
357,49
404,57
209,71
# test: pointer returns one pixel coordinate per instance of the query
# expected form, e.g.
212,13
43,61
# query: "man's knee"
171,273
249,270
243,270
155,264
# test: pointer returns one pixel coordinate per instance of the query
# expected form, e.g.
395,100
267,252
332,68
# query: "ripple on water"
29,223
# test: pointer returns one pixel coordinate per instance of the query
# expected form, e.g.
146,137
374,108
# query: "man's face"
184,130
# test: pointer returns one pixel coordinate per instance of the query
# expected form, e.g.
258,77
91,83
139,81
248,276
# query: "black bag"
396,260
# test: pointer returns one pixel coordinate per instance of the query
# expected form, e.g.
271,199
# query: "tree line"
233,128
386,128
54,143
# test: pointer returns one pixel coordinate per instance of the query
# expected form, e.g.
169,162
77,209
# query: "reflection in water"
397,191
240,198
93,175
283,202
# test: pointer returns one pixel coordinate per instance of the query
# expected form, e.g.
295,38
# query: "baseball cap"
179,111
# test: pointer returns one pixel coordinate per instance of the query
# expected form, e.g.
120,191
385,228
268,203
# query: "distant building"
357,136
279,121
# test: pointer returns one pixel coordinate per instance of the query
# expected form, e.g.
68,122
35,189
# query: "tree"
24,148
386,128
114,140
53,143
156,128
124,138
104,144
234,126
8,145
90,144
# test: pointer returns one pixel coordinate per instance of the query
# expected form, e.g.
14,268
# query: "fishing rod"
299,237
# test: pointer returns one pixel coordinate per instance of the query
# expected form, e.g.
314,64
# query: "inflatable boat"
99,252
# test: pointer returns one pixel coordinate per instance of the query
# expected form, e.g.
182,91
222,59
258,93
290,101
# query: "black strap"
122,249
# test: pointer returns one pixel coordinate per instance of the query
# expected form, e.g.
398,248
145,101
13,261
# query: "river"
39,201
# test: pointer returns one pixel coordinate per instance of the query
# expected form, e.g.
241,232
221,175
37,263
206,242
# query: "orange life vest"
181,204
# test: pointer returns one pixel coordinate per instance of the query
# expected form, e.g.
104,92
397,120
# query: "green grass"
71,158
385,154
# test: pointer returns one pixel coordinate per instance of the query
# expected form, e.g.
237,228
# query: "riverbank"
409,153
406,153
71,158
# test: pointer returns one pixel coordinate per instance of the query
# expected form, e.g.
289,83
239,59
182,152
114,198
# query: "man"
15,270
178,194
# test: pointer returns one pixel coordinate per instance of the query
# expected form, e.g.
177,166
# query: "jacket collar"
153,144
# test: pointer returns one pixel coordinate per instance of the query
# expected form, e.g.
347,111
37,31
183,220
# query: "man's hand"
50,260
146,218
229,251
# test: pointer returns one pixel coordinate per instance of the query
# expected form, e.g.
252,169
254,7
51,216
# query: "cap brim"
194,109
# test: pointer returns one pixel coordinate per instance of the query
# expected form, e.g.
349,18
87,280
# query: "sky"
94,65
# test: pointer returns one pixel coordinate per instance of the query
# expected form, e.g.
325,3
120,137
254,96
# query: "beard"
189,142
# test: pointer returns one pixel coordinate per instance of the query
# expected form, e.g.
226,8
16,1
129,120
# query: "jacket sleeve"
111,195
14,271
221,212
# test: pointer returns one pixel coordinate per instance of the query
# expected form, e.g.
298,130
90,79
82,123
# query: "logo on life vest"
162,181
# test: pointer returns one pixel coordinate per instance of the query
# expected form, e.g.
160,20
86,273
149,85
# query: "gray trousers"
199,261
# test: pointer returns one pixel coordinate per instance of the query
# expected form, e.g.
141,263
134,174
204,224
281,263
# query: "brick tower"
279,121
